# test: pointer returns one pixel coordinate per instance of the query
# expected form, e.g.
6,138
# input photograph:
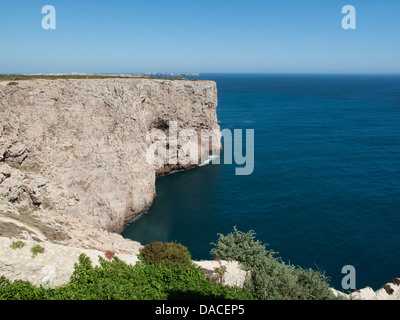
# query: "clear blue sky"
285,36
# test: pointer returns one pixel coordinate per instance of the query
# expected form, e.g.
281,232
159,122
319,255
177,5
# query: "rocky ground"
390,291
55,265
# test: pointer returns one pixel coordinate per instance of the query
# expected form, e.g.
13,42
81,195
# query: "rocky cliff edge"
73,167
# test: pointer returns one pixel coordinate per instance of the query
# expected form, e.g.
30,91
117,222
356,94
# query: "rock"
73,152
49,275
223,272
389,291
53,267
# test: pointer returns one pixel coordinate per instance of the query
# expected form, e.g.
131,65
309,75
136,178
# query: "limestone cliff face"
77,148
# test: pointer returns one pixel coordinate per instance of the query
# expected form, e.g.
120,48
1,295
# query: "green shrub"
153,252
176,253
164,272
269,277
19,290
166,254
17,244
221,271
242,247
116,280
36,249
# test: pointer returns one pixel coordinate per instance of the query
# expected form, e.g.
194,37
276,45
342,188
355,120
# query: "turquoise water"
325,189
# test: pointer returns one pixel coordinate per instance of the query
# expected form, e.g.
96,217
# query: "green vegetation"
270,278
165,271
116,280
17,245
220,271
36,249
166,254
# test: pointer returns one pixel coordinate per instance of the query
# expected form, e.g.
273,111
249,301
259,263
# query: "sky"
207,36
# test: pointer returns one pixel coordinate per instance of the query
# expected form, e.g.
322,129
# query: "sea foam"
209,160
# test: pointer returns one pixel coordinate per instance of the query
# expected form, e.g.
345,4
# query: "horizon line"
200,73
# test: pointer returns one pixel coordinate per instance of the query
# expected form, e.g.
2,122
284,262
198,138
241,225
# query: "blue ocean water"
325,191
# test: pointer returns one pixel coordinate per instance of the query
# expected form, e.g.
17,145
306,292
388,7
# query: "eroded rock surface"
73,161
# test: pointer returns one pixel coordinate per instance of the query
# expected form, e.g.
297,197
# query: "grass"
17,245
36,250
220,271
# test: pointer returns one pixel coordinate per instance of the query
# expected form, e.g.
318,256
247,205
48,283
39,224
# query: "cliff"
73,165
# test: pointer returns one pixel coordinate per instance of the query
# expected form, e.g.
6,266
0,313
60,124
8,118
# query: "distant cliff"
73,151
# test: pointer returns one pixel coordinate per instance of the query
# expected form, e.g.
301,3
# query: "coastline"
46,187
81,143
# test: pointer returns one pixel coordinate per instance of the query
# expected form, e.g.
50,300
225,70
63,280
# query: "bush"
166,254
269,277
175,253
153,252
36,249
19,290
116,280
17,245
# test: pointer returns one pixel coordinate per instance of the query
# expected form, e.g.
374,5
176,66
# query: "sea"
325,189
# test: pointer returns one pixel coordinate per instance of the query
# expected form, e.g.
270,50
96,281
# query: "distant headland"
79,75
123,75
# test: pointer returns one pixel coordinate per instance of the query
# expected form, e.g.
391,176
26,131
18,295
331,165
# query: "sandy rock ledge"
55,265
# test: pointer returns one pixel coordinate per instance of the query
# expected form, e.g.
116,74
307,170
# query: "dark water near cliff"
325,191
